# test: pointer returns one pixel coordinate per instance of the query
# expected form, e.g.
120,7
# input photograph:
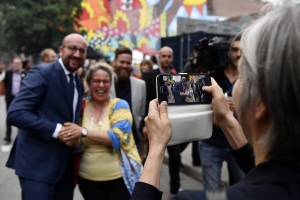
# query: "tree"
29,26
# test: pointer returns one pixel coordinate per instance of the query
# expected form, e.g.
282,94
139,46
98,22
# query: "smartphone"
184,88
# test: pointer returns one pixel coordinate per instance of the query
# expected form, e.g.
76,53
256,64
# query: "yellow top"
98,162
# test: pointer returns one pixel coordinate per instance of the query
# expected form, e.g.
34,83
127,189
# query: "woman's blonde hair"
100,66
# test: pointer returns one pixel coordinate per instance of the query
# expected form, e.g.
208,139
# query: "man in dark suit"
51,95
178,90
12,82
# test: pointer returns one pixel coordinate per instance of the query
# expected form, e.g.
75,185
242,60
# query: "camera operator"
215,150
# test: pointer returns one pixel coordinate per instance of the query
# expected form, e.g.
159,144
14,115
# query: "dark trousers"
174,167
106,190
44,191
195,152
8,126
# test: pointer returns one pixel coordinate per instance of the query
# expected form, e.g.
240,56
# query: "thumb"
163,111
208,89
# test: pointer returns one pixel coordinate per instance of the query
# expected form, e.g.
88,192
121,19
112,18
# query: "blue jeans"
212,157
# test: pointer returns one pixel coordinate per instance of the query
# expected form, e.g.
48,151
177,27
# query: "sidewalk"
196,172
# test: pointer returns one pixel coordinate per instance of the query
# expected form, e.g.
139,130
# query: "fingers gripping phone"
189,107
183,89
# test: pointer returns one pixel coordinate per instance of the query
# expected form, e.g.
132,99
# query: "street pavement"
190,176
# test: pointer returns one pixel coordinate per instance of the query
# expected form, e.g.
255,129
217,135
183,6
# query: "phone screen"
179,89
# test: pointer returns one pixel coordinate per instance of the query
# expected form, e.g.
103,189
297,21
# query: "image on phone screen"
182,89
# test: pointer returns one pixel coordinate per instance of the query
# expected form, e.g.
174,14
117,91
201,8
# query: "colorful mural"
137,24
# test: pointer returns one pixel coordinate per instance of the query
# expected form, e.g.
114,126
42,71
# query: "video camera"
210,55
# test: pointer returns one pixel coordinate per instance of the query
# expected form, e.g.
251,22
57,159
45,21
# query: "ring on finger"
69,134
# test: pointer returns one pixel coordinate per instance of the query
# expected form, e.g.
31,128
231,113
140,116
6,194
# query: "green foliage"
29,26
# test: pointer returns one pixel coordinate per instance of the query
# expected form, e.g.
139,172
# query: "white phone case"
190,122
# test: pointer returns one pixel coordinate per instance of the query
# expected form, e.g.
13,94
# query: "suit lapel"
64,84
134,96
79,87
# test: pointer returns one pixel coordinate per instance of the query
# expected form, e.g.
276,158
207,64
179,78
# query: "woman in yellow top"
188,93
110,164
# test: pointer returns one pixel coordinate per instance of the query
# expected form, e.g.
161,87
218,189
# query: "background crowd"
93,118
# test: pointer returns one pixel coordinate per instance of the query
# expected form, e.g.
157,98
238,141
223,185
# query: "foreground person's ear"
260,110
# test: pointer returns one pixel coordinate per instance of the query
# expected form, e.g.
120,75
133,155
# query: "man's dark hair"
25,62
196,47
122,50
153,59
235,38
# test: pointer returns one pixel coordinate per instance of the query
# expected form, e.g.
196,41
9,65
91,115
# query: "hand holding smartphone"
189,108
183,89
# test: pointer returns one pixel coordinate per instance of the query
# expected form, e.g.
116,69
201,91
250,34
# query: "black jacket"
8,82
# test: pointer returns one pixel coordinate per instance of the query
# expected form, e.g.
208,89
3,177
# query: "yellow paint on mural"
98,46
102,19
90,35
88,7
143,41
149,16
101,4
143,15
143,18
194,2
126,43
163,24
120,15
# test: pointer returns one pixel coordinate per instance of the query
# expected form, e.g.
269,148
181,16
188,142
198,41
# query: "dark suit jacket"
150,80
177,89
43,101
8,82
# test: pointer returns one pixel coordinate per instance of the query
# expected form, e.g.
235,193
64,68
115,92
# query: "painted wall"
137,24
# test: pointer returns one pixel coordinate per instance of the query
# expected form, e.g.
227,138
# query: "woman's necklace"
100,122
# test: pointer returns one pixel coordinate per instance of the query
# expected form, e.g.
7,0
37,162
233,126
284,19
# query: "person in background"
135,72
92,62
165,59
27,65
145,66
214,151
110,163
48,55
179,90
12,82
154,61
189,94
81,74
131,89
2,71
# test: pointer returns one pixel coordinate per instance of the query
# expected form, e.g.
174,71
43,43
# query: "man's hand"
69,132
158,126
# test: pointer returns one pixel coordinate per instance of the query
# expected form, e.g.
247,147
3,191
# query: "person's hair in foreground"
270,70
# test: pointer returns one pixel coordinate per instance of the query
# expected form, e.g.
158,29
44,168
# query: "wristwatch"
84,132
